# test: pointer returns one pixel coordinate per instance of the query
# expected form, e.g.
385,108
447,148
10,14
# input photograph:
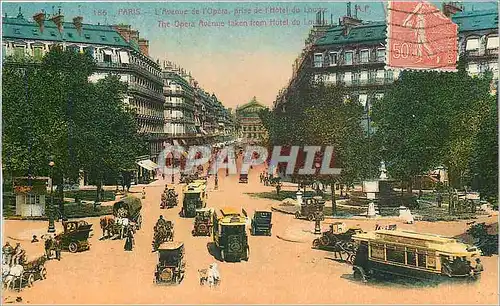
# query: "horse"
107,223
11,274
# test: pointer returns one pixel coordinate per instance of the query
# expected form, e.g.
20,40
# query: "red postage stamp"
420,36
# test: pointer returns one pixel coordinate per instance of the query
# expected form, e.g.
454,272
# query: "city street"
277,271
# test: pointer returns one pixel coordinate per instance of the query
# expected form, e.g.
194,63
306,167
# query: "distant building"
353,53
251,128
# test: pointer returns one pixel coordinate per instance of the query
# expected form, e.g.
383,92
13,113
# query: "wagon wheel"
31,279
297,215
316,243
43,272
73,247
324,240
310,217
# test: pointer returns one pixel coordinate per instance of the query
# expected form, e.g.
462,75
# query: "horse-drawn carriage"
75,236
171,263
25,273
163,232
338,239
310,207
169,198
126,212
202,222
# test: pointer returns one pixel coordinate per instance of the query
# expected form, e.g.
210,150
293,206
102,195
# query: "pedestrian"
439,199
278,188
34,240
129,241
19,254
7,251
213,276
58,248
48,246
478,268
143,192
266,180
261,177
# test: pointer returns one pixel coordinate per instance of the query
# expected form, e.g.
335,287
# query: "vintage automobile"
169,198
202,222
338,239
229,234
195,197
411,255
243,178
163,233
261,222
171,263
75,236
309,208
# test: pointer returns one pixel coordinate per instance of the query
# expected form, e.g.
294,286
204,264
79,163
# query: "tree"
428,119
51,109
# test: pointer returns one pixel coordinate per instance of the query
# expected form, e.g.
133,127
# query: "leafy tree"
428,119
51,109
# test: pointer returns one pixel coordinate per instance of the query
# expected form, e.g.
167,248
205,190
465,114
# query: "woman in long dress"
129,241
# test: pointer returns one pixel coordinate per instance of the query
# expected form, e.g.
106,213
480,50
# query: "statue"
383,171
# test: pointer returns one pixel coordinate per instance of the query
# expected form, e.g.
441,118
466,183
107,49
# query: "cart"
75,236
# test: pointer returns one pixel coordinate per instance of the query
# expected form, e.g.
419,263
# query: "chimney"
451,8
77,21
134,36
58,20
40,20
348,21
144,46
123,30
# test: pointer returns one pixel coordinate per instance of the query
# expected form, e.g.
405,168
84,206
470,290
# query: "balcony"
187,106
145,91
150,117
135,67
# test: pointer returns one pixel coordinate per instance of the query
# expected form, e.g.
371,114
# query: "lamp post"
216,186
51,228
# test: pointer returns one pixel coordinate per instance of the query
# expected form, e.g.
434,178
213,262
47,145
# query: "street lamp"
51,228
216,186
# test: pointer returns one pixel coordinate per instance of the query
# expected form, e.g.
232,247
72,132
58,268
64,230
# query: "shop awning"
147,164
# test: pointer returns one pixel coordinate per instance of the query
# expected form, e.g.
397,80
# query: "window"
365,56
331,78
334,58
87,36
411,257
377,251
19,51
347,77
348,58
421,256
107,56
381,55
380,74
363,98
389,75
364,75
395,254
318,60
492,42
472,44
38,53
473,69
431,260
89,50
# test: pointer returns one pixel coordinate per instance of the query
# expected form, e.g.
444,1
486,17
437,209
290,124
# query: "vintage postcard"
249,152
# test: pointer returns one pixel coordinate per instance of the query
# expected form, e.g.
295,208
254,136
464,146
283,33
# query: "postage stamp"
249,152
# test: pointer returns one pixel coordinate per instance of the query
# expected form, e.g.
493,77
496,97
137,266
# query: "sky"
246,56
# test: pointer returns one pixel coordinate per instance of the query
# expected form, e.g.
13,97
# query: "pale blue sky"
234,62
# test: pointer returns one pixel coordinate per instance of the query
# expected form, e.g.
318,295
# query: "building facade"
116,49
353,53
192,115
250,124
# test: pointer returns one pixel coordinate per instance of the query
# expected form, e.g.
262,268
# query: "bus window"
377,251
395,254
411,257
431,260
422,262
